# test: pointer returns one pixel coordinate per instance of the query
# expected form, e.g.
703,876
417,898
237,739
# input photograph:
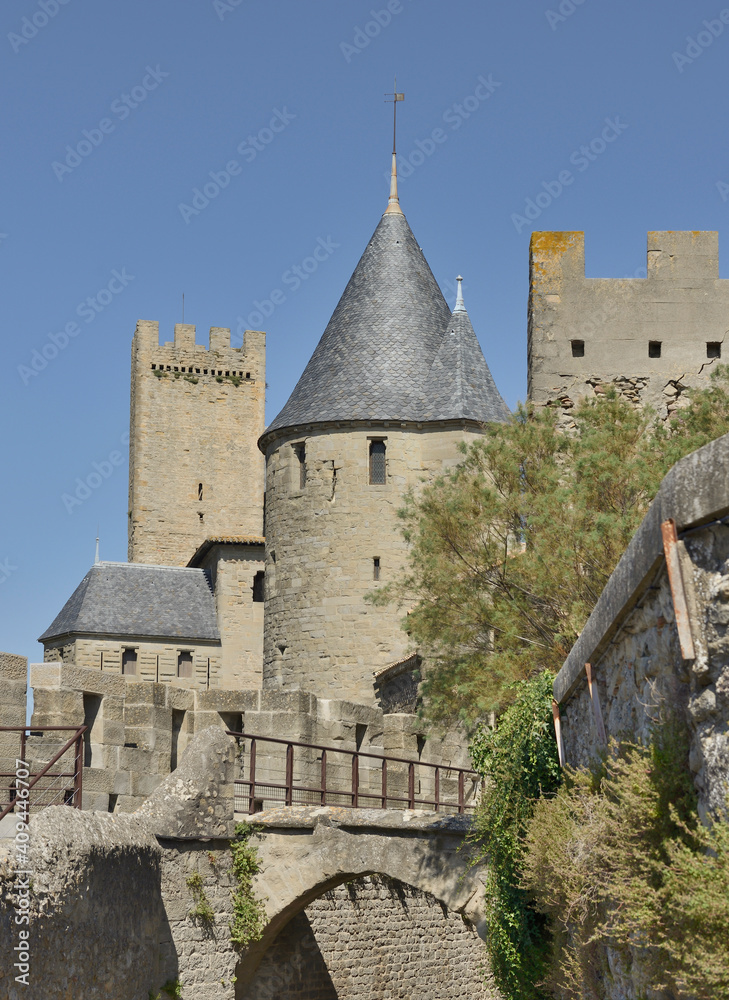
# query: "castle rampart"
650,337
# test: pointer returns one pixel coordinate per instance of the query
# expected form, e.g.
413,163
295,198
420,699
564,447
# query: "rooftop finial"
393,204
460,307
96,557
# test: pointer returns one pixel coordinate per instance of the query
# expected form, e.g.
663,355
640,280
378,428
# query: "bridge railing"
280,772
40,767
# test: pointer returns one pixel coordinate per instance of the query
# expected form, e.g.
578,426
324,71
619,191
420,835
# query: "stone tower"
194,469
650,337
396,382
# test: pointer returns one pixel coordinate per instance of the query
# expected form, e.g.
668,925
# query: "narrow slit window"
578,348
300,452
378,469
184,664
129,661
199,491
713,349
258,585
654,348
376,568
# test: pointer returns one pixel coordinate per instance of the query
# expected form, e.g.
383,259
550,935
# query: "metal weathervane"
393,99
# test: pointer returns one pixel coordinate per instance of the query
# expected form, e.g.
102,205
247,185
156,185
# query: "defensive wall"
138,729
194,467
651,338
112,899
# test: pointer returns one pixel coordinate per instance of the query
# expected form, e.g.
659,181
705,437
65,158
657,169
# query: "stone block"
97,780
93,801
13,668
224,700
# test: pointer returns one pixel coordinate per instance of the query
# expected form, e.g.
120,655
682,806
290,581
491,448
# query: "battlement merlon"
253,349
683,258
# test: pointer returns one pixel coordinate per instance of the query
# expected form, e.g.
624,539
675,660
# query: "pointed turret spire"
393,204
460,307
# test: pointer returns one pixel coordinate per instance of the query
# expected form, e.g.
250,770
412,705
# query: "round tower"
396,382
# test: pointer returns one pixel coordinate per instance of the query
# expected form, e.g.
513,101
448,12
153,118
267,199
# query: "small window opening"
199,491
248,374
258,584
129,661
378,469
360,733
112,802
654,348
232,721
201,516
421,746
300,451
578,348
184,664
376,568
713,349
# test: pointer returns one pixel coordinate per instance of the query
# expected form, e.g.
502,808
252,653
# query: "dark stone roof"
459,383
133,599
376,357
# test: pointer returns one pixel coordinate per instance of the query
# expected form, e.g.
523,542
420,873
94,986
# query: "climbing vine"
249,913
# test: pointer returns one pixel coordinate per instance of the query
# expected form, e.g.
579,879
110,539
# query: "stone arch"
300,864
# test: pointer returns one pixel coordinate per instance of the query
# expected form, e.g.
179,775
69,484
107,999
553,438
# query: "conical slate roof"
459,384
377,349
133,599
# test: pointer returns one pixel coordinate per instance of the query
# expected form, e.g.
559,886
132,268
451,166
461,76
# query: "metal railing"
37,785
287,772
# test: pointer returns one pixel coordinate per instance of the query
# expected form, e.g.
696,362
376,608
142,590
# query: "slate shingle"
387,354
133,599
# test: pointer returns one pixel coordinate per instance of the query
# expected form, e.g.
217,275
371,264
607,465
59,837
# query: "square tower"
195,471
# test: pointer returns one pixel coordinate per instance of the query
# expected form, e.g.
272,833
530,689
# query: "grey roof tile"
459,384
387,351
133,599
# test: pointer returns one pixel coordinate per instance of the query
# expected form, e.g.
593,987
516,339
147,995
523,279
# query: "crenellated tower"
194,470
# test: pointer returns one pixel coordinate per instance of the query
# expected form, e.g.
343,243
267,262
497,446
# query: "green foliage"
235,379
158,373
510,551
191,378
249,913
519,762
172,988
623,861
202,910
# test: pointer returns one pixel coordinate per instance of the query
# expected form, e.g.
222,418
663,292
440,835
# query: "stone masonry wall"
194,468
156,660
374,939
682,305
321,543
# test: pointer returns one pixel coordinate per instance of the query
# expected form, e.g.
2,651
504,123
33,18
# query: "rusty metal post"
678,589
384,783
437,789
323,777
252,779
355,780
461,793
78,771
411,786
289,774
558,731
596,709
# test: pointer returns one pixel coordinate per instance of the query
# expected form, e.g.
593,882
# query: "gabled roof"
135,600
379,345
459,384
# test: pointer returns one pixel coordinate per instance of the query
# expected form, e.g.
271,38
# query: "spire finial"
393,204
96,557
460,307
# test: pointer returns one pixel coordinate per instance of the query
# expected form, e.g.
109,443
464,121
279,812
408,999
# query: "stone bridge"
359,902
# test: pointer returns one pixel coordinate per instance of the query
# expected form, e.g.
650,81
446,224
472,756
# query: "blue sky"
113,114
